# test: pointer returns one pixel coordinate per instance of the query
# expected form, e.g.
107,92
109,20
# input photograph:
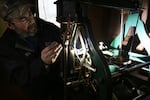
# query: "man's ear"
9,25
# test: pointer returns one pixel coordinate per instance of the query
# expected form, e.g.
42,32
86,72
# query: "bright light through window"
47,11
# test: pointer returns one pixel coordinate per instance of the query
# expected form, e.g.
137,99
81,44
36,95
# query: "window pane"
47,10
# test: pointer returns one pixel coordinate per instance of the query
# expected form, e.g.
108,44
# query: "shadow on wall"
2,27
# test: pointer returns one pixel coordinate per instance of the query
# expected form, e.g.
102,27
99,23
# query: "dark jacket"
22,62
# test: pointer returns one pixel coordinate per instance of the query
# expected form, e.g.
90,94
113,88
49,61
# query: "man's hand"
50,53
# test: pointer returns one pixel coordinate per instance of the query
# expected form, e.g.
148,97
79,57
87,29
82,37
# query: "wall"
106,22
2,27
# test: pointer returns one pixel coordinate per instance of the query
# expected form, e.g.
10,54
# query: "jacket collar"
24,44
23,47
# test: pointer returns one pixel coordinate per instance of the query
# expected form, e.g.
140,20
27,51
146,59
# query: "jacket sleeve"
21,72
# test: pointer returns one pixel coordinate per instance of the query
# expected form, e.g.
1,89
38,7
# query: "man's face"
25,24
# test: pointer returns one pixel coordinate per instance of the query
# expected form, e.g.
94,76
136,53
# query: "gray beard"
24,34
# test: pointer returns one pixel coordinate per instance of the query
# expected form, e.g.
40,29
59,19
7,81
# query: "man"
30,52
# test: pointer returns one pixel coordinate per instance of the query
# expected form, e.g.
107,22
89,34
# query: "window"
47,11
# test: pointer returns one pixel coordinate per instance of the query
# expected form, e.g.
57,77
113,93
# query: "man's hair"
12,8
